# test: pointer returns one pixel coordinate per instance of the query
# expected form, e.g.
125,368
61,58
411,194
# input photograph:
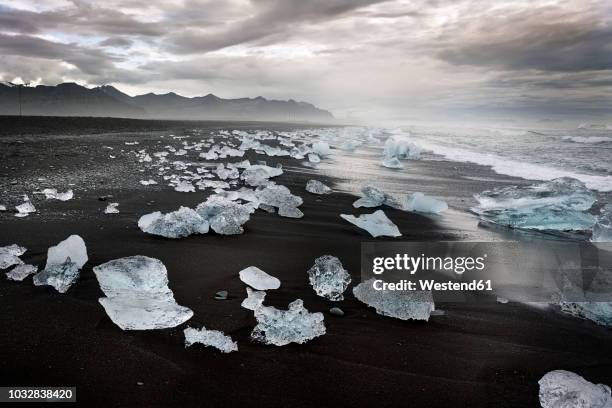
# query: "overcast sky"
378,60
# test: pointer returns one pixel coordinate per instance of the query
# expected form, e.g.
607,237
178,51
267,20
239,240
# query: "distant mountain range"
70,99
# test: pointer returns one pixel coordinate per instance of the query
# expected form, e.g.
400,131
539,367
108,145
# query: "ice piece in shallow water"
59,275
556,205
400,146
254,299
316,187
177,224
185,187
23,210
281,327
9,255
20,272
328,278
258,279
392,163
137,294
564,389
377,224
401,304
72,247
321,149
111,208
51,193
210,338
602,230
375,197
419,202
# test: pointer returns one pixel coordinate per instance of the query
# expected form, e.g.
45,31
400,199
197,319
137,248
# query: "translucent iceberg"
137,294
564,389
419,202
392,163
259,174
400,146
225,216
281,327
280,197
185,187
9,255
51,193
59,275
598,312
20,272
316,187
23,210
321,149
226,173
602,230
401,304
178,224
210,338
557,205
313,158
258,279
254,299
72,247
328,278
375,197
111,208
377,224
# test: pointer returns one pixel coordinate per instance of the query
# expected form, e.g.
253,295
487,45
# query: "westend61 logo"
412,264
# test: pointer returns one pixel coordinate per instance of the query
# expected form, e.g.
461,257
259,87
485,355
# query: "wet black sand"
475,355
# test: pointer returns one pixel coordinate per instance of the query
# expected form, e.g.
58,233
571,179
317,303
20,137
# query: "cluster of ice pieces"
328,277
281,327
377,224
137,294
210,338
557,205
64,262
404,305
316,187
564,389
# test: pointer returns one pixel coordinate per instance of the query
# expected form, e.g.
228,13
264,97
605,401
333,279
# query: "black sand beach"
485,355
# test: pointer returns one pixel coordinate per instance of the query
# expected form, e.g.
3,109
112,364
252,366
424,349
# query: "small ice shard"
316,187
111,208
419,202
177,224
336,311
185,187
564,389
51,193
9,255
225,216
321,148
23,210
59,275
20,272
281,327
401,304
258,279
377,224
313,158
375,197
254,299
602,230
557,205
290,212
2,208
210,338
221,295
137,294
149,182
392,163
280,197
400,146
598,312
72,247
328,278
502,300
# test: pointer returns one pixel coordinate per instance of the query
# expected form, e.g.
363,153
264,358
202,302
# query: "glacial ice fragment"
556,205
210,338
226,173
254,299
259,174
328,278
564,389
225,216
72,247
23,210
280,197
59,275
137,294
392,163
375,197
258,279
149,182
111,208
9,255
321,149
598,312
51,193
177,224
400,146
419,202
185,187
281,327
377,224
313,158
316,187
20,272
602,230
2,208
401,304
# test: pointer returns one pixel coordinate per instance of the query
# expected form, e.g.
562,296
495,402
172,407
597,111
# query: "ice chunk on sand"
137,294
51,193
111,208
602,230
316,187
20,272
59,275
254,299
226,173
2,207
377,224
210,338
401,304
149,182
258,279
280,197
328,277
392,163
321,148
598,312
375,197
177,224
185,187
400,146
419,202
72,247
259,174
313,158
557,205
225,216
281,327
564,389
23,210
9,255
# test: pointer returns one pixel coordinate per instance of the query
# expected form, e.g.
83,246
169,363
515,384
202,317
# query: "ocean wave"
515,168
587,140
